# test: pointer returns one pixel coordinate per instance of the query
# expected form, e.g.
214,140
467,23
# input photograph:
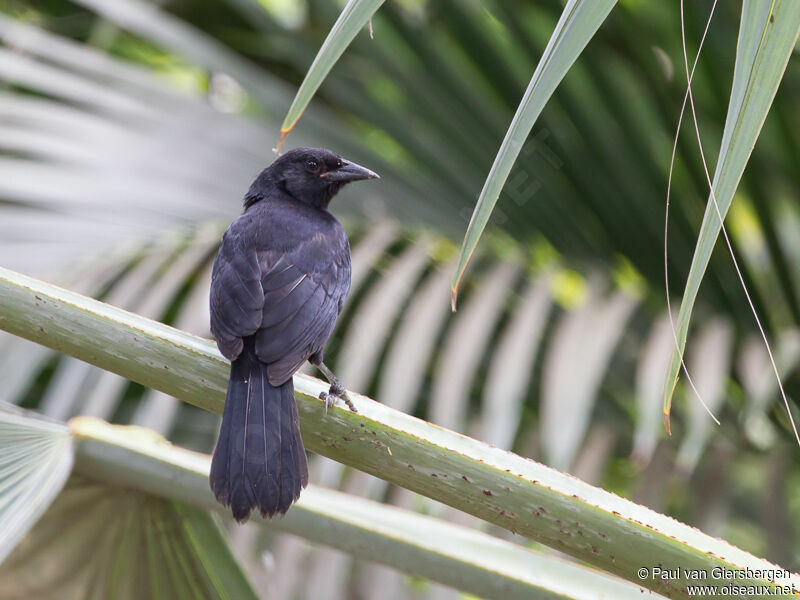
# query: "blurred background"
130,130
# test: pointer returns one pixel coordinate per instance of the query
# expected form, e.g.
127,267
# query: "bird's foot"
335,393
329,399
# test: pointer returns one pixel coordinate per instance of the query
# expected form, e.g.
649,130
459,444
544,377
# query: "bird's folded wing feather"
289,299
236,300
301,304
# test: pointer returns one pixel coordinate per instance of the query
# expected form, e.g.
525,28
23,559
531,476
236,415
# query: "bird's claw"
329,399
335,393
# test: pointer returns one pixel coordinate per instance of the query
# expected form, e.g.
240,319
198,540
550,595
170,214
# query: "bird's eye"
312,165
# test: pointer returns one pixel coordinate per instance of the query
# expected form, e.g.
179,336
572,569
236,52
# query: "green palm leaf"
352,19
578,23
767,37
35,461
122,544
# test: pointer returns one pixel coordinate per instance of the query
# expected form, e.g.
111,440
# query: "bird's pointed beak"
350,171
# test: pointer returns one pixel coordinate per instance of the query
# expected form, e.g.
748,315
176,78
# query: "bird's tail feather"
259,460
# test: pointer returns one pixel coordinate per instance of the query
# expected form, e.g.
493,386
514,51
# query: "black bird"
277,287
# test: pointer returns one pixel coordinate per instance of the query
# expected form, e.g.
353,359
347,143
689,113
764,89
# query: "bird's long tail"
259,460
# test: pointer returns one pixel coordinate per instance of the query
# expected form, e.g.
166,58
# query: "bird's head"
310,175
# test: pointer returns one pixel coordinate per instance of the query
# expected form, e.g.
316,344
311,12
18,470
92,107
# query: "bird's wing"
236,300
302,299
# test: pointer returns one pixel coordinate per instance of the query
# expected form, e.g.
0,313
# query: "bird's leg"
336,390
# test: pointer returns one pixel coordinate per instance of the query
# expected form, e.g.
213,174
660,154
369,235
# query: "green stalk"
446,553
497,486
